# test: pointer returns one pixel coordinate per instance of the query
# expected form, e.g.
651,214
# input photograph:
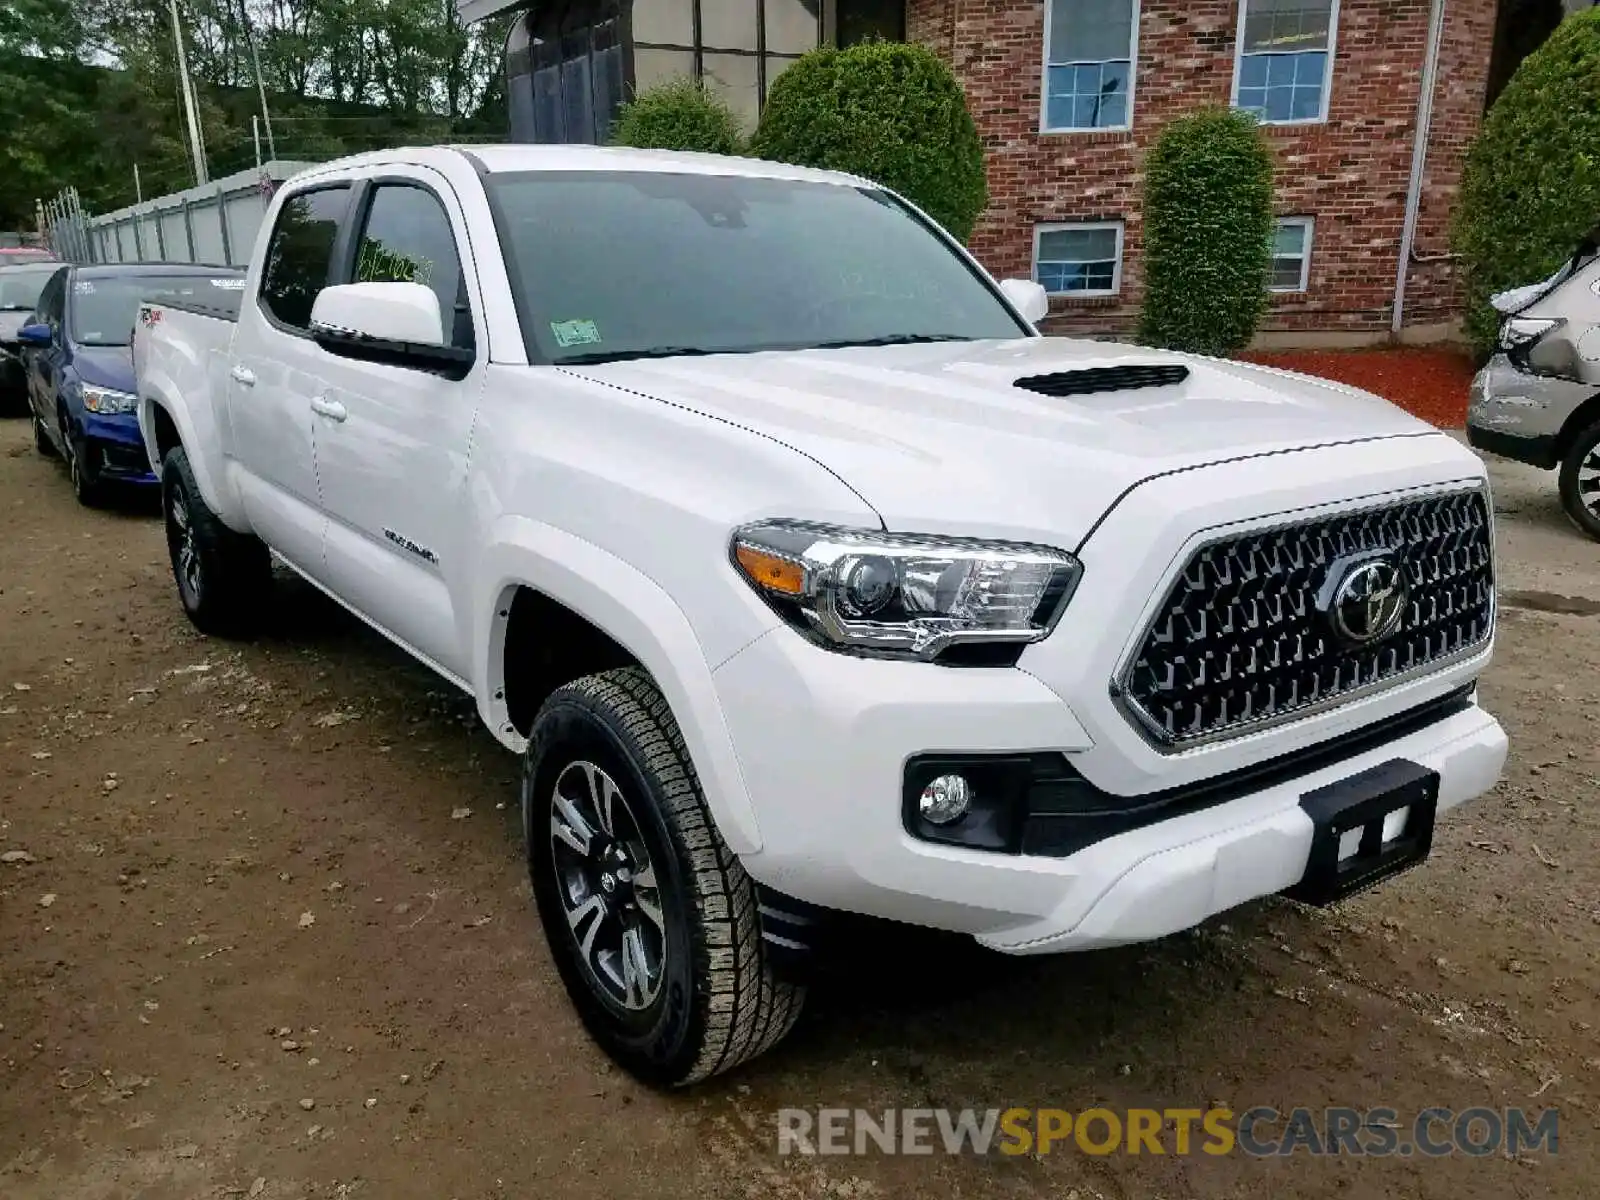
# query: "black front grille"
1241,639
1105,379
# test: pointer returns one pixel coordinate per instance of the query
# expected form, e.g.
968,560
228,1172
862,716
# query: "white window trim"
1327,79
1116,267
1309,224
1044,81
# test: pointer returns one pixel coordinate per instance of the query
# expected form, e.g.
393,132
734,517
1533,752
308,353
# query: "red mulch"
1428,383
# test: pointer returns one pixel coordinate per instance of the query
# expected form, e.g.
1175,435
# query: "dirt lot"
275,940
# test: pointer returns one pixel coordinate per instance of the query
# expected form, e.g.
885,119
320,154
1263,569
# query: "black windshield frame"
527,310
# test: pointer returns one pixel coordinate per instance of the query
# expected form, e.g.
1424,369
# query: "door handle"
332,409
244,375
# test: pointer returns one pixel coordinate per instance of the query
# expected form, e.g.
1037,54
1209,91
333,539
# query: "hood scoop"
1091,380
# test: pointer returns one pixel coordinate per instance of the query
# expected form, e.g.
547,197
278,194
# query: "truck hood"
938,438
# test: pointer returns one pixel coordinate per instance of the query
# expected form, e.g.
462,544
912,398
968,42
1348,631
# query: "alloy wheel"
181,542
607,886
1589,480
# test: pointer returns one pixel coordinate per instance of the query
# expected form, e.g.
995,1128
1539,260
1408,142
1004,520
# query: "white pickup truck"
808,578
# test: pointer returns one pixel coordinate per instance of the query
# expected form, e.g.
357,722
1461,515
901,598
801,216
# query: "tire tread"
748,1010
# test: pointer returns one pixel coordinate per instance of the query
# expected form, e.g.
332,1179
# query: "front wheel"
41,437
651,918
223,577
1580,481
83,468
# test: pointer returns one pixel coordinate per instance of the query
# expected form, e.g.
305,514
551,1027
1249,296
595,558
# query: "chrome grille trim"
1450,617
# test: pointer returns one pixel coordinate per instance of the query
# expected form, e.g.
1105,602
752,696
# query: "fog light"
945,799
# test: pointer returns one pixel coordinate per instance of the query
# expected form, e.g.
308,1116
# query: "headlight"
1520,333
901,595
108,400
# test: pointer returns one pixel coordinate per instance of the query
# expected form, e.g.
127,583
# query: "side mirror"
386,312
395,323
36,334
1028,298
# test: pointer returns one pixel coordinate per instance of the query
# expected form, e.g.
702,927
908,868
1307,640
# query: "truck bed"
226,308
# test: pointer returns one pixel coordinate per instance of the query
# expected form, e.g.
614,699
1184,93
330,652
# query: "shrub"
1531,187
679,114
1207,233
888,111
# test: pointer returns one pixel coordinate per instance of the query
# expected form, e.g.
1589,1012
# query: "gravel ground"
265,932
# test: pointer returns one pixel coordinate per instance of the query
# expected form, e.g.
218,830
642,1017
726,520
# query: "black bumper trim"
1058,834
1543,452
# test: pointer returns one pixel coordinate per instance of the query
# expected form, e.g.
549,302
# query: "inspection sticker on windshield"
83,287
575,333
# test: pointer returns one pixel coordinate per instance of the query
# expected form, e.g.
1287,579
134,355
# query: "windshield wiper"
605,356
893,339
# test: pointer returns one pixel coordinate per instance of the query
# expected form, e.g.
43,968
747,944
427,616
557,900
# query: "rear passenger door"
392,444
278,370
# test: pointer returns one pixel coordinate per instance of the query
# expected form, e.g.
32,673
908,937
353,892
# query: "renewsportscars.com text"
1258,1131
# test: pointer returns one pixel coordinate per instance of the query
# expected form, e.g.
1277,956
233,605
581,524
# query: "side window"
299,253
52,300
407,239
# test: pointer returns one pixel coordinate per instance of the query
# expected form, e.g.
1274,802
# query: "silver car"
1538,398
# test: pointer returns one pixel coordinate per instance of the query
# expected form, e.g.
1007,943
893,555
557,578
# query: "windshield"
20,286
105,307
612,265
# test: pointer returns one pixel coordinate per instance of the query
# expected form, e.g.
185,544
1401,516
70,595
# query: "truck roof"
514,157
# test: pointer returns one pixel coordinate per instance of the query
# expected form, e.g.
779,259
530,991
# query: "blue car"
78,350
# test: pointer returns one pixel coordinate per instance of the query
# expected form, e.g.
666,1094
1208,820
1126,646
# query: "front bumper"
13,375
116,447
824,740
1519,415
825,769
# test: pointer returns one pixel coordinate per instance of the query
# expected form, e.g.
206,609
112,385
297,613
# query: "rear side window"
408,239
299,253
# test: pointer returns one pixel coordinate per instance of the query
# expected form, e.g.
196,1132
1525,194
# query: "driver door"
44,363
393,441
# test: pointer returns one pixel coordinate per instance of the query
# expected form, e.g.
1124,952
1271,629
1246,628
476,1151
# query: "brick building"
1070,94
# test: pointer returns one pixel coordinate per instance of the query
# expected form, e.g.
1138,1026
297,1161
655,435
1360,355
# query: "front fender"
641,617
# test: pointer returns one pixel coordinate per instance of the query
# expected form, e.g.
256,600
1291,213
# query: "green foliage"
1208,228
679,114
888,111
1531,188
342,76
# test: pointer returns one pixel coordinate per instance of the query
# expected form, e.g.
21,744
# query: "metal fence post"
161,238
188,228
222,224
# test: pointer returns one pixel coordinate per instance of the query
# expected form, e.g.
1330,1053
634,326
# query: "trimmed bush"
1208,229
888,111
1531,188
679,114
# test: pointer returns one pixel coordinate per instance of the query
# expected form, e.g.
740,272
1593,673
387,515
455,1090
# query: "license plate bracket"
1365,802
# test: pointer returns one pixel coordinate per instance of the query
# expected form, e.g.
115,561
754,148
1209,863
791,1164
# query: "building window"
1285,54
1089,55
1291,255
1079,260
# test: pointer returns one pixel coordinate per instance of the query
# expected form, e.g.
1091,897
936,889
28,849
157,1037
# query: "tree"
1207,233
1531,187
891,112
89,88
679,114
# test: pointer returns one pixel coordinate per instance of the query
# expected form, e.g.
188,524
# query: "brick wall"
1350,173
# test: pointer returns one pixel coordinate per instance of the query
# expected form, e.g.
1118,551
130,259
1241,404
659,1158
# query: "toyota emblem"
1369,601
